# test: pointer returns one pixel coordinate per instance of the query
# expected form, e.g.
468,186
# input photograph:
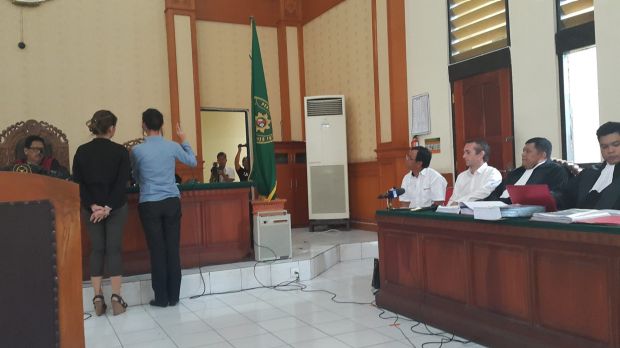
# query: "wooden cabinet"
292,179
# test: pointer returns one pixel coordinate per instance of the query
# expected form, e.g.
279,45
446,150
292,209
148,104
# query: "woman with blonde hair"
101,168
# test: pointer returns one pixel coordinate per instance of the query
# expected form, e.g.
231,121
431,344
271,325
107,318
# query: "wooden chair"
573,169
12,142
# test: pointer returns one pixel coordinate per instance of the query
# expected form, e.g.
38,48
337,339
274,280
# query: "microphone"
392,193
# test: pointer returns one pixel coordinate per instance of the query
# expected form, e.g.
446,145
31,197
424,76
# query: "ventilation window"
476,27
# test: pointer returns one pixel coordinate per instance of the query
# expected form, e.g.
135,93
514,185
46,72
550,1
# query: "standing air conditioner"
326,156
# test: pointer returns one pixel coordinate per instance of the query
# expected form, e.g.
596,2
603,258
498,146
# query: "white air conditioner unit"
326,158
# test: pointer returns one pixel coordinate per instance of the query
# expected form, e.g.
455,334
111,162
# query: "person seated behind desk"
34,150
242,171
480,179
597,187
423,186
536,168
226,174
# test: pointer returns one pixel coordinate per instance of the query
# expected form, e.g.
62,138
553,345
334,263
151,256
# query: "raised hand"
181,133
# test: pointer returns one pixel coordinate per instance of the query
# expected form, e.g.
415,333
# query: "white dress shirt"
473,187
421,191
523,179
607,176
228,171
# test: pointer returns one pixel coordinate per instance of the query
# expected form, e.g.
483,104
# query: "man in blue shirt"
153,164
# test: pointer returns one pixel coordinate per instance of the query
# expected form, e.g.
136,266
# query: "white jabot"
523,179
421,191
607,176
474,187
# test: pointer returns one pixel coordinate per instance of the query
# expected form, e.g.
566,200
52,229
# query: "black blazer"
577,192
549,173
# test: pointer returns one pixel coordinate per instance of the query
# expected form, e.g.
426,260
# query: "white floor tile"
105,341
241,331
350,252
334,328
318,317
262,341
281,324
198,339
299,334
136,337
363,338
328,342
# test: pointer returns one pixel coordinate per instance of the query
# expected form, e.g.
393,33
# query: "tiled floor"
267,318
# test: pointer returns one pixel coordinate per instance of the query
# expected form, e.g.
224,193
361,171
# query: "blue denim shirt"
153,164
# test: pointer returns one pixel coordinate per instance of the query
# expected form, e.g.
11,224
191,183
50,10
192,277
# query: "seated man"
423,186
226,174
242,171
480,179
34,149
536,168
597,187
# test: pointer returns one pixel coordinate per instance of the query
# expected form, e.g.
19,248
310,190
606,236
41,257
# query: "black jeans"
161,221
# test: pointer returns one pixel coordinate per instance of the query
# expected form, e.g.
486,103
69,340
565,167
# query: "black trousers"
161,221
106,239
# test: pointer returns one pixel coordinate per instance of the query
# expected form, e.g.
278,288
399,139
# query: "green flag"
263,166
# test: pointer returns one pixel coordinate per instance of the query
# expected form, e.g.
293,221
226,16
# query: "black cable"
87,316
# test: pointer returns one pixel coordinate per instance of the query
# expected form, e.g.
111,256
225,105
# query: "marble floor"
284,317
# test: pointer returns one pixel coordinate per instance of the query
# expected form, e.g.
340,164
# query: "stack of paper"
570,215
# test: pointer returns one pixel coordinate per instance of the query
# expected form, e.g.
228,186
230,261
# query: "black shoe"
173,303
158,304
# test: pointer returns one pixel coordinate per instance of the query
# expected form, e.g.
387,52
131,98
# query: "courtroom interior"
310,173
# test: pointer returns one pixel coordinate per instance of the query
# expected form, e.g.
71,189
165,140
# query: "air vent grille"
324,107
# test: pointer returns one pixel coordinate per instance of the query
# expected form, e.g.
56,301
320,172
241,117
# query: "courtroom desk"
215,228
508,283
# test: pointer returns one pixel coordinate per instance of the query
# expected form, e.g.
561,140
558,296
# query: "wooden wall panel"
265,12
215,228
501,281
563,277
445,267
363,191
404,267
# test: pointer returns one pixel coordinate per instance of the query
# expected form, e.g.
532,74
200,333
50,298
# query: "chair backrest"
573,169
12,141
133,142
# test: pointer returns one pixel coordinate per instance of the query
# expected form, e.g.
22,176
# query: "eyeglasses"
37,149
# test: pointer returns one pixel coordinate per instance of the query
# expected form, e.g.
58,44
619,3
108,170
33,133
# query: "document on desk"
484,210
452,209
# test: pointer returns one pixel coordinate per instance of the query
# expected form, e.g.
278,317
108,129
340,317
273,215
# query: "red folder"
532,195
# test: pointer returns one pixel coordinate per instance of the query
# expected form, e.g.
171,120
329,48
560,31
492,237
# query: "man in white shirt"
598,187
423,186
227,174
480,179
536,168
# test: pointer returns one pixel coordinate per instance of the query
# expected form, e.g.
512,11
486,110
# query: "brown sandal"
119,306
100,306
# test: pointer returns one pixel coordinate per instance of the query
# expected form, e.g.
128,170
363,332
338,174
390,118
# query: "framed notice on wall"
420,114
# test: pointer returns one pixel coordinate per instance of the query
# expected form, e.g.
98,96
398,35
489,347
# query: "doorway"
483,109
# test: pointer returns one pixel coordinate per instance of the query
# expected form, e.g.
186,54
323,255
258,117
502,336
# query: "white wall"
427,71
535,77
606,18
82,56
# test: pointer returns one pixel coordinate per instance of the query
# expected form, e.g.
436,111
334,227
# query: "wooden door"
483,109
